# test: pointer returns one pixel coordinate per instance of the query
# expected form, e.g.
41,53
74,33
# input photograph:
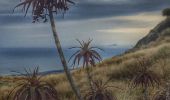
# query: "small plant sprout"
30,87
145,76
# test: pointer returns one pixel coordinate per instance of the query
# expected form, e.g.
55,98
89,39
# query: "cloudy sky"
121,22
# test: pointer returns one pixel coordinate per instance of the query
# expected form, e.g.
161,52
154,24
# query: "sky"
107,22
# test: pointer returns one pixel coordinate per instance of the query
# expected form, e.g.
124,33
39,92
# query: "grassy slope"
121,69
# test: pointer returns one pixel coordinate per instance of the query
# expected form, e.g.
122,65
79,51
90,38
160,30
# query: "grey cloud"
83,10
86,9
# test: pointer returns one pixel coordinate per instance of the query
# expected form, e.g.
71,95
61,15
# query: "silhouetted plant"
101,92
145,77
30,87
88,55
41,10
166,12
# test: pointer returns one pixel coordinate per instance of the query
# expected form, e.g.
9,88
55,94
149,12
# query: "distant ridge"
154,34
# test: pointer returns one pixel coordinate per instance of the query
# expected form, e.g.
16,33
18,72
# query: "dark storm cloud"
110,8
87,9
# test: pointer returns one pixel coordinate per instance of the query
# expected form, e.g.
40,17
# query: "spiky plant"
44,10
88,55
101,92
85,52
41,9
145,76
30,87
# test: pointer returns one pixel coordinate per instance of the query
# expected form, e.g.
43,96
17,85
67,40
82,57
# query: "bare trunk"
89,77
90,80
61,54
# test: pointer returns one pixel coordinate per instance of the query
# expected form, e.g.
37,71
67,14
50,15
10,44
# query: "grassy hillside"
119,69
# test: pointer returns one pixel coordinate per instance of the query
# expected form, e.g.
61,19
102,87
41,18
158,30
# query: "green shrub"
166,12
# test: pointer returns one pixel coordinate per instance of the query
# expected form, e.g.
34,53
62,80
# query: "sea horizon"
18,59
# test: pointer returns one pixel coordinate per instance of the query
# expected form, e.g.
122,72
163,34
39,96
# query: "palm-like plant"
88,55
100,92
145,77
30,87
41,10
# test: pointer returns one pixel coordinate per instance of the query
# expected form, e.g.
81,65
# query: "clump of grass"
160,95
166,32
163,94
163,53
127,70
162,58
163,68
101,92
30,87
145,76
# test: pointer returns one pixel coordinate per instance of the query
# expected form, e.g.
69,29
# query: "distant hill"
155,34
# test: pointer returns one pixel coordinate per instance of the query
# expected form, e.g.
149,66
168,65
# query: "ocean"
17,59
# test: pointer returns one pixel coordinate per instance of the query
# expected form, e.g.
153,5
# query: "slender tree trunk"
61,54
89,77
90,80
